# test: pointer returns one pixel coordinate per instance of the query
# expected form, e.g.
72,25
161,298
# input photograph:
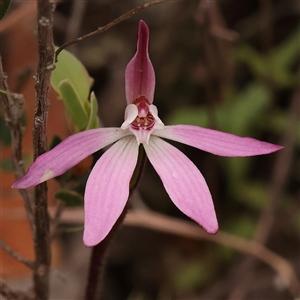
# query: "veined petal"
67,154
107,189
139,74
183,182
216,142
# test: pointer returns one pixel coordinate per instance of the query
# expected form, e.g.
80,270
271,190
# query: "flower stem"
95,282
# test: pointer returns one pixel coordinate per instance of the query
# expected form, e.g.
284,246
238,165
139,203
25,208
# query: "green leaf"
277,65
6,165
278,121
236,116
253,59
4,5
70,198
69,67
189,115
74,106
283,58
189,276
287,53
236,170
242,225
93,120
55,141
246,109
252,194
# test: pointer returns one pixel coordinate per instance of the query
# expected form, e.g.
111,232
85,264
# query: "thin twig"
56,218
17,256
12,107
277,187
42,85
75,21
10,294
162,223
171,225
281,171
123,17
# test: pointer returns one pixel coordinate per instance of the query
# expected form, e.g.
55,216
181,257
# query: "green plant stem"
95,282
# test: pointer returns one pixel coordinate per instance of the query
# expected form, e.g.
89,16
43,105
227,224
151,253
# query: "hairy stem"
42,86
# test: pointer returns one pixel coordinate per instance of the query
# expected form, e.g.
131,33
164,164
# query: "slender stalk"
8,293
111,24
182,228
12,105
42,86
95,283
16,255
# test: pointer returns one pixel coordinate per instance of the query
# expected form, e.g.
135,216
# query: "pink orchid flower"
107,188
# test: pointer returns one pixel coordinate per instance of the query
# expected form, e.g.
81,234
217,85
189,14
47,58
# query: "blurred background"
227,65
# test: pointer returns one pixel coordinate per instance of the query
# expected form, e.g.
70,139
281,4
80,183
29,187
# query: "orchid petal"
183,182
107,189
216,142
139,74
67,154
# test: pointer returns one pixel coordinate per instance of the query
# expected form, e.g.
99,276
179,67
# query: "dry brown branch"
277,187
16,255
175,226
170,225
10,294
12,105
281,171
56,218
209,12
116,21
